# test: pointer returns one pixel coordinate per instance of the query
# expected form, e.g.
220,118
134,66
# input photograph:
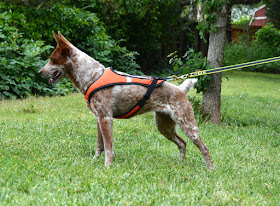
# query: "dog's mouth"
55,77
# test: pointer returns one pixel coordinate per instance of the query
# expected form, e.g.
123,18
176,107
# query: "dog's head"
56,67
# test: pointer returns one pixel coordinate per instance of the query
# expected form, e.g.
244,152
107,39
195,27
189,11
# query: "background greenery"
154,28
131,36
266,44
23,51
47,146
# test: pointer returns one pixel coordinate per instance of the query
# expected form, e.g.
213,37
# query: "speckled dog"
168,101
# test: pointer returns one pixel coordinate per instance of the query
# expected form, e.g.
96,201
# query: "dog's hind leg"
184,117
100,144
167,127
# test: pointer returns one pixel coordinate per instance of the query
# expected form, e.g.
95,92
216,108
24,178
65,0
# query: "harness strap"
110,78
141,102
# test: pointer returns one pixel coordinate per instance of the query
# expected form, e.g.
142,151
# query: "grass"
47,145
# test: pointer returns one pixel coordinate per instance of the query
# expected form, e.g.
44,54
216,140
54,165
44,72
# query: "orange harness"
109,78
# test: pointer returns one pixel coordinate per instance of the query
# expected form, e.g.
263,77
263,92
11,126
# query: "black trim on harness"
111,80
123,83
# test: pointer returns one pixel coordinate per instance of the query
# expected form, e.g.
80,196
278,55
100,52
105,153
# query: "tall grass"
47,145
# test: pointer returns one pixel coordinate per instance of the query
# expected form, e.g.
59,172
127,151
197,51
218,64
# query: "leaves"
22,50
190,62
265,45
208,15
19,61
152,28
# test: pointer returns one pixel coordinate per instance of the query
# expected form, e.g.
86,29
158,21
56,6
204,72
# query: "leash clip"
169,78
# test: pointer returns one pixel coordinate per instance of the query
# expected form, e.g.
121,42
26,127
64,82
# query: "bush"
265,45
19,62
270,36
191,62
22,50
152,28
80,27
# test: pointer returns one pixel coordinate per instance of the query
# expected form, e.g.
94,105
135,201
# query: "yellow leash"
222,69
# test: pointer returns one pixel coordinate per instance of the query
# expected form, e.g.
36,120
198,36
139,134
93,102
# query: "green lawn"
47,147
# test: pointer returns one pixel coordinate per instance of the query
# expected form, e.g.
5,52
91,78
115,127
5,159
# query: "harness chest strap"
140,103
110,78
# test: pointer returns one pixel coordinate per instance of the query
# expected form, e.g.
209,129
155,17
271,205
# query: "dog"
169,102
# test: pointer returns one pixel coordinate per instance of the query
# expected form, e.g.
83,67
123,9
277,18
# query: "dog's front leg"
106,129
100,144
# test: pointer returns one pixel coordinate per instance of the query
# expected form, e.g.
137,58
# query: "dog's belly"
125,97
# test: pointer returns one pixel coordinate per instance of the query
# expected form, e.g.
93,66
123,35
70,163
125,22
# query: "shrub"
270,37
265,45
80,27
22,50
153,28
191,62
19,62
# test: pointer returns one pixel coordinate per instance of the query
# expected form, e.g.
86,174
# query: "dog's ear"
63,44
63,38
57,39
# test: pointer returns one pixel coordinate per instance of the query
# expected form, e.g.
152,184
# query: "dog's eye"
51,59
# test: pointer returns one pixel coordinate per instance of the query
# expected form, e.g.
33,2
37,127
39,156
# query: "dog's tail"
187,85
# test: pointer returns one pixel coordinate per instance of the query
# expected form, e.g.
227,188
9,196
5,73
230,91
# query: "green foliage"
236,53
152,28
242,22
80,27
265,45
19,62
273,12
197,108
22,50
191,62
241,14
209,7
269,36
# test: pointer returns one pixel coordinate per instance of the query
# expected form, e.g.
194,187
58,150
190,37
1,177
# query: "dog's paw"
95,157
108,164
210,165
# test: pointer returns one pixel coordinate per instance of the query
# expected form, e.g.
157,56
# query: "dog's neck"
82,69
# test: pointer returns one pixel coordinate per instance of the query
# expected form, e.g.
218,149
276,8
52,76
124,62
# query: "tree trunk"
212,95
